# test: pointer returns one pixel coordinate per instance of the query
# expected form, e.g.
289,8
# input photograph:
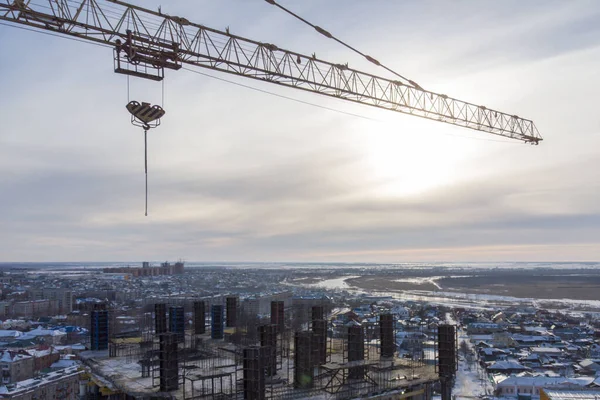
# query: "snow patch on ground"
471,380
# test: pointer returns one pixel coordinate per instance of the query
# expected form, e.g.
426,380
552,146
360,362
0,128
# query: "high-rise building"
99,329
177,322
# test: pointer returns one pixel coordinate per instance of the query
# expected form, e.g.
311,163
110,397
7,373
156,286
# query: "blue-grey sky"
237,174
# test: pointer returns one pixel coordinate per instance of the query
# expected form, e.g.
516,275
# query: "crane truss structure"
146,42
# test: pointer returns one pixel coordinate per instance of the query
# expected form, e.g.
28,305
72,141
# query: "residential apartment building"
16,366
63,296
35,308
4,308
66,384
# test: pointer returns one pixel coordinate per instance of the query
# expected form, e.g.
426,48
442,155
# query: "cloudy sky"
242,175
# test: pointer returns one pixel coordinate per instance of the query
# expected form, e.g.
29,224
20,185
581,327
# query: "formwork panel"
303,366
177,322
319,328
317,313
386,334
160,318
232,311
277,315
356,350
268,342
199,317
217,321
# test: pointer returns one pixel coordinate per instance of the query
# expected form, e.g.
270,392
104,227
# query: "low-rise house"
401,312
534,340
503,340
514,386
589,367
506,367
483,328
546,351
492,354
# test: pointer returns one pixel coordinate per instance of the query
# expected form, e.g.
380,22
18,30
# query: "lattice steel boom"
146,42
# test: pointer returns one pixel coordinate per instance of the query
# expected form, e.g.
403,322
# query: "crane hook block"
145,115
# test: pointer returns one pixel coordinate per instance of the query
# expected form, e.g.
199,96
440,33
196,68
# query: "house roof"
62,363
39,331
506,366
556,394
12,356
547,350
10,334
588,363
540,381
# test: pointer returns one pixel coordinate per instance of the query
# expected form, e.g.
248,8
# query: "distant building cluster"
79,334
147,270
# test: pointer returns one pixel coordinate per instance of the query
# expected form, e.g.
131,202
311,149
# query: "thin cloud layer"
237,174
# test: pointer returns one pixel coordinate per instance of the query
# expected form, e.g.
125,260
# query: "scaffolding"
271,361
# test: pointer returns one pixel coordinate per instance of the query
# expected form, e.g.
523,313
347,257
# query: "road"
471,380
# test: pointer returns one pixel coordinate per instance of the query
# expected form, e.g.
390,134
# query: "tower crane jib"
146,42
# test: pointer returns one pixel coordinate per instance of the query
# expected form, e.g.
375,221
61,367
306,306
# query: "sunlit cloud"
237,174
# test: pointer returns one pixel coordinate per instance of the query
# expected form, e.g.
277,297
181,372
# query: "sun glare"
408,160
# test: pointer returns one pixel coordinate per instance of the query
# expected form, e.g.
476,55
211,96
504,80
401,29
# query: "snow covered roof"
39,331
490,351
587,363
547,350
8,356
540,381
39,353
29,384
62,363
10,334
507,365
571,395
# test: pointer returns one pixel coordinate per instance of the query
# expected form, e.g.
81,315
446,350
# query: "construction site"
210,350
